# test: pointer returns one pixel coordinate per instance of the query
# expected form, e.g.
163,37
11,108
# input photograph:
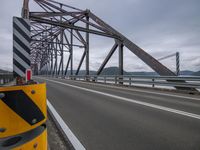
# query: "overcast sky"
160,27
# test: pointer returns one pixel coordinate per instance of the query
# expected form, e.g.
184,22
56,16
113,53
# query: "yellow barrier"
23,113
35,139
39,143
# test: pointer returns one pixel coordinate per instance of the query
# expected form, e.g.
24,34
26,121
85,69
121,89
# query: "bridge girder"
57,25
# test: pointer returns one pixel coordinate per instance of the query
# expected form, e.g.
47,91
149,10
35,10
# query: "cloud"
159,27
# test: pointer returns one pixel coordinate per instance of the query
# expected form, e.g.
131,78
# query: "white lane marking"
170,95
72,138
180,112
144,91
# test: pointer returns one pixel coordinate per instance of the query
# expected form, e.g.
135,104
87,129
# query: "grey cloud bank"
160,27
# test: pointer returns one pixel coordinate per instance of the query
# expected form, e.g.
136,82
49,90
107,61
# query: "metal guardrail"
164,81
5,78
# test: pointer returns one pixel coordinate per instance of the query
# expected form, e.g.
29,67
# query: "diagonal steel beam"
145,57
66,25
107,58
67,66
81,62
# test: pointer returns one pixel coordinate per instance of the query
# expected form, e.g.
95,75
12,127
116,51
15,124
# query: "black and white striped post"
177,64
21,46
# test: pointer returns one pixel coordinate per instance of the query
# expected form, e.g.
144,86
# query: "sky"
160,27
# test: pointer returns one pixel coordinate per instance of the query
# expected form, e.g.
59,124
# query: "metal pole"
87,47
121,65
56,64
25,10
51,61
71,52
62,50
177,64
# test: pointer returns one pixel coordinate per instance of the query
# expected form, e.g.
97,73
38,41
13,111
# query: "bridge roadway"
106,117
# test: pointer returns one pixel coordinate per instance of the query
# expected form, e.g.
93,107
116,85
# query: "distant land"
115,70
4,71
196,73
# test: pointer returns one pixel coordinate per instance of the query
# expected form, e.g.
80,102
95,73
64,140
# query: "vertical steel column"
62,53
71,52
60,69
51,60
87,47
56,59
25,9
51,48
47,52
47,69
177,64
48,66
121,61
55,63
62,50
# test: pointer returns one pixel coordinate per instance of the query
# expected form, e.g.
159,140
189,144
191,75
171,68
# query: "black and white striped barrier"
21,46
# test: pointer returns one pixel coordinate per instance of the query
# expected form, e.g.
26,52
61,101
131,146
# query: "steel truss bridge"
59,28
100,115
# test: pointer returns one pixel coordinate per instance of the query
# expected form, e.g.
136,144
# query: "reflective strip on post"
28,75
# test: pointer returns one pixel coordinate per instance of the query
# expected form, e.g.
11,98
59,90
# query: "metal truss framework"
55,29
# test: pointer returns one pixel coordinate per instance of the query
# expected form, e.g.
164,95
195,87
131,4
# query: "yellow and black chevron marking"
22,108
35,139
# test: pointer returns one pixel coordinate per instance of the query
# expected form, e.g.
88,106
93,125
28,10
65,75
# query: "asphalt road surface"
115,118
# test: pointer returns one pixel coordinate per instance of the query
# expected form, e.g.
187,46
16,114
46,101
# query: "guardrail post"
120,80
190,82
129,81
153,85
96,78
88,78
